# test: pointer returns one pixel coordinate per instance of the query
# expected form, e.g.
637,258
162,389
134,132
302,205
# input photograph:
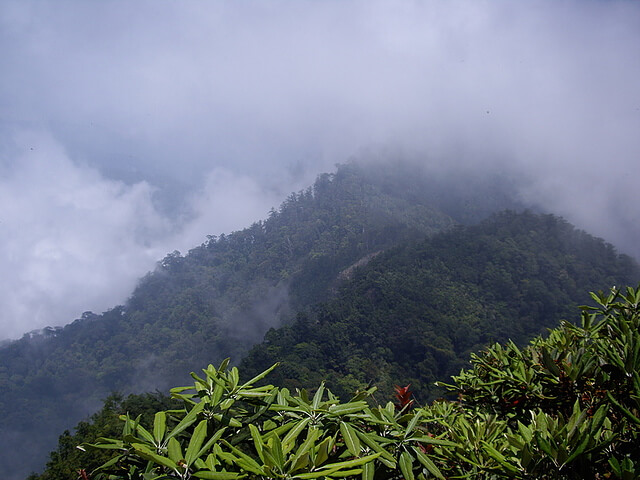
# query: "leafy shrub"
565,407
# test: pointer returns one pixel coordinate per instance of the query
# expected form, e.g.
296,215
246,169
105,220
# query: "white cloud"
228,202
71,240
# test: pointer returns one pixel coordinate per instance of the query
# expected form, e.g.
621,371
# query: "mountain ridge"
220,298
216,301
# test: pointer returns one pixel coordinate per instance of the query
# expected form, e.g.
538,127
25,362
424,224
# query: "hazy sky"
129,129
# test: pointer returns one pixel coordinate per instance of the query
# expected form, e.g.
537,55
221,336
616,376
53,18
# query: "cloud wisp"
152,126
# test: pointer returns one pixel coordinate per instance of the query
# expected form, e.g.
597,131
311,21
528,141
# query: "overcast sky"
129,129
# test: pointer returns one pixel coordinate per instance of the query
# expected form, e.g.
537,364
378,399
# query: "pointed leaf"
406,465
276,451
350,438
257,440
352,463
191,417
159,427
144,433
428,464
368,471
208,475
289,440
317,398
312,435
197,439
345,408
147,454
260,376
412,423
174,451
207,446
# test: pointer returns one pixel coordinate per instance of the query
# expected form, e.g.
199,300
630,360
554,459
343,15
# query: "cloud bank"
153,125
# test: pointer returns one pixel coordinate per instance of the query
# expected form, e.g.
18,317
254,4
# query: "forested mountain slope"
220,298
415,313
564,407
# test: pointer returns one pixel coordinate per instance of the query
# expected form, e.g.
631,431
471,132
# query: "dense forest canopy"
566,406
362,256
414,313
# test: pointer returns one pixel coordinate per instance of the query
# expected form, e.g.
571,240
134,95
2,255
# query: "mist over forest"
368,276
129,131
297,181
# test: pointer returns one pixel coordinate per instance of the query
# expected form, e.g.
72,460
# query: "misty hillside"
351,248
415,313
220,298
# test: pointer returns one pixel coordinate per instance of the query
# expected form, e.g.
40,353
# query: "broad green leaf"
299,462
276,450
368,470
598,419
433,441
317,398
499,457
525,432
428,463
111,462
223,365
144,433
370,440
253,393
624,410
223,418
180,389
412,423
257,440
344,473
260,376
104,447
234,377
207,475
147,454
544,445
350,438
207,446
174,451
191,417
159,427
311,475
346,408
578,450
336,473
218,391
406,465
197,439
247,462
352,463
322,452
289,440
312,435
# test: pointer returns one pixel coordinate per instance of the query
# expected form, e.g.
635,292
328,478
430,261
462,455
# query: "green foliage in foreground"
567,406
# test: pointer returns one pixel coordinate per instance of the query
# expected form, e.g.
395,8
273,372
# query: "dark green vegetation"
220,298
565,407
347,266
416,312
65,462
